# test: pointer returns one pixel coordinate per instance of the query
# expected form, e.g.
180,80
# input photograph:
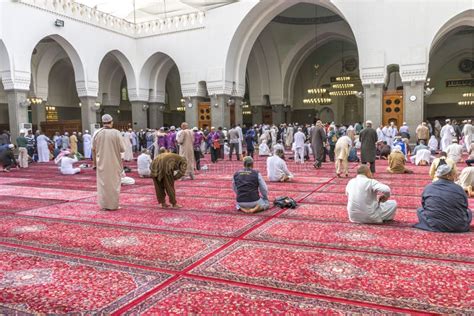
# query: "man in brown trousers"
165,169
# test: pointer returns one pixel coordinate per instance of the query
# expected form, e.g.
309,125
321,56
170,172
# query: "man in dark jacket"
246,184
368,150
318,138
7,158
444,204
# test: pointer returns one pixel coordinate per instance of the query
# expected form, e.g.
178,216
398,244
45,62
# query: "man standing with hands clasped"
107,147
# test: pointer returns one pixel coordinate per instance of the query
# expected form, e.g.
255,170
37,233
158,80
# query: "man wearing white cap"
107,147
7,158
468,132
444,204
447,133
87,140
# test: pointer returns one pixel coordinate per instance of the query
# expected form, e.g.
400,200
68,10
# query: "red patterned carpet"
62,255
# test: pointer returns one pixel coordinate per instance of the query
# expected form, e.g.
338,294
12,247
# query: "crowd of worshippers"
173,153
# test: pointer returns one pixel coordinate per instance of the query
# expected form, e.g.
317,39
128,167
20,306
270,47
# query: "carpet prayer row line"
63,255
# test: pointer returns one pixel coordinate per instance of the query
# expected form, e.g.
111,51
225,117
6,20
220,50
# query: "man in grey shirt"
234,142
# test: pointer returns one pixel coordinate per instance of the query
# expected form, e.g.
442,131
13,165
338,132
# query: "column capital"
18,80
413,73
87,88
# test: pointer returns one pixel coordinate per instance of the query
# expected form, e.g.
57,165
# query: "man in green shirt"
22,143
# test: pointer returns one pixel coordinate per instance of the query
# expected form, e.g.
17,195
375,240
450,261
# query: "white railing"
85,14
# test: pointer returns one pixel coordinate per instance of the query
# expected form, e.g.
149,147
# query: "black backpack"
285,202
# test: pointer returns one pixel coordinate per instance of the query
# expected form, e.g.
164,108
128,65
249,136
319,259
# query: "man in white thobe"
289,135
67,165
127,140
392,131
447,133
454,151
380,135
368,199
42,146
87,143
468,132
241,139
299,141
277,170
107,149
144,163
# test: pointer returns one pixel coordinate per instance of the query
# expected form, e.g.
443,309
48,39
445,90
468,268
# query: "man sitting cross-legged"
246,184
277,170
364,203
444,204
165,169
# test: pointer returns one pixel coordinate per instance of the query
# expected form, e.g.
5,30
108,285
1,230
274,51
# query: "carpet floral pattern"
62,254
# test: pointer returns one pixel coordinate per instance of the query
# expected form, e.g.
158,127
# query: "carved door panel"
204,115
392,108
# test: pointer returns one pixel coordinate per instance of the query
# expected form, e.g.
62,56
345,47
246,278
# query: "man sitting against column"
277,170
396,161
246,184
165,169
441,160
368,199
454,151
444,204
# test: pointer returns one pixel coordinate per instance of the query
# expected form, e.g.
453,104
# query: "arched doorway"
304,45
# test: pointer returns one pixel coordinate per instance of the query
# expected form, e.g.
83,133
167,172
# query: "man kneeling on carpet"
444,204
368,199
247,183
165,169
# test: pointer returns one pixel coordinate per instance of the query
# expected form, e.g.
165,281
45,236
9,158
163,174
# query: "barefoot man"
165,169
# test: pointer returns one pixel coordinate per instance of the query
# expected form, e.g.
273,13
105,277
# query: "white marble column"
278,116
156,114
38,113
17,111
413,100
220,113
88,112
139,115
257,115
191,114
373,95
238,111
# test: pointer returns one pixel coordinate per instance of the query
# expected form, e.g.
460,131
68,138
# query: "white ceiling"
147,10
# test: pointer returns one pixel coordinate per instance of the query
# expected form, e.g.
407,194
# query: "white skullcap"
86,131
172,128
404,123
443,170
368,122
11,146
195,128
448,121
455,140
107,118
397,148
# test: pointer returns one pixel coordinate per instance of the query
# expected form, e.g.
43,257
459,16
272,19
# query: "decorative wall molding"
410,73
157,97
191,90
84,14
219,87
19,80
87,88
372,76
138,95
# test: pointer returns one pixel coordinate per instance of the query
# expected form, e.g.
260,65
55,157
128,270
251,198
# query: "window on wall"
124,94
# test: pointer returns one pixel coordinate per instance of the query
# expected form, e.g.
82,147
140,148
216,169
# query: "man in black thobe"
318,137
368,148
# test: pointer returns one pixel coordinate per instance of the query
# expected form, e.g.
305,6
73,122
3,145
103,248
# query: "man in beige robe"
342,149
73,143
107,147
185,139
127,141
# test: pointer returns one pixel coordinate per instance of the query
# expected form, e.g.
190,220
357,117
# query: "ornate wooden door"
204,115
392,108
